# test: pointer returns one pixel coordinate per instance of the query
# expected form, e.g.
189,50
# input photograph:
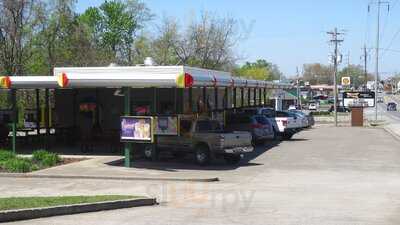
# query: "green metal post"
234,97
248,96
154,113
37,93
47,119
127,112
14,119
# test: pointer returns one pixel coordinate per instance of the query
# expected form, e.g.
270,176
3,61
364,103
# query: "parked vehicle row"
207,139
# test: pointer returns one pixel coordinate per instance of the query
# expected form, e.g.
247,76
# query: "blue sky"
290,33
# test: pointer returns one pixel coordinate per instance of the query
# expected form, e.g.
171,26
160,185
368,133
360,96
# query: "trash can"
357,116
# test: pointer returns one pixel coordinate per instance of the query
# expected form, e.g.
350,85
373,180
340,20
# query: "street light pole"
377,55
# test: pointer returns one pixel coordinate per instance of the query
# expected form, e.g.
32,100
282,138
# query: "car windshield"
208,125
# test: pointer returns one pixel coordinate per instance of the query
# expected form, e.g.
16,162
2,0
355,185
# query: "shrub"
5,155
45,158
17,165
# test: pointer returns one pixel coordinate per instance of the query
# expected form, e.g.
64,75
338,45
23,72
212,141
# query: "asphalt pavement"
325,175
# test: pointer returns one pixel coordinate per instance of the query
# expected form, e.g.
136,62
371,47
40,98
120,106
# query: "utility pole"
334,39
365,57
377,55
298,88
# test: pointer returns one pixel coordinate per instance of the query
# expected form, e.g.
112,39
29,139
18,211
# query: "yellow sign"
346,81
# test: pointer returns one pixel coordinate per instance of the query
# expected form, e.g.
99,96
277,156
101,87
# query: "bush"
45,158
5,155
17,165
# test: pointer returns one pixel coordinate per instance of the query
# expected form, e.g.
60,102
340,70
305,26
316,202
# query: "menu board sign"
137,129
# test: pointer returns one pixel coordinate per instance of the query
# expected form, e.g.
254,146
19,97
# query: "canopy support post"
190,100
46,119
14,119
216,99
37,111
242,97
248,97
127,112
234,97
265,96
154,113
255,97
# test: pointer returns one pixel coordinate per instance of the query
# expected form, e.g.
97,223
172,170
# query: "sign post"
127,112
357,101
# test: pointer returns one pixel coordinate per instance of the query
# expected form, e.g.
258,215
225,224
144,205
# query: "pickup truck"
206,139
284,123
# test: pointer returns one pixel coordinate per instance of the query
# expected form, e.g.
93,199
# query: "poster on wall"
166,125
137,129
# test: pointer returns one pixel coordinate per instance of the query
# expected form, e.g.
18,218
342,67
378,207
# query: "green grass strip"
39,202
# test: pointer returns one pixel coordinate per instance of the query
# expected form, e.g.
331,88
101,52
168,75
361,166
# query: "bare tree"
56,20
209,42
17,26
164,46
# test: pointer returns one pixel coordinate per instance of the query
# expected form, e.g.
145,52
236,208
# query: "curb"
391,132
22,175
34,213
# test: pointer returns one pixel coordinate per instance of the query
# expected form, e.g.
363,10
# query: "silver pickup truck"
205,139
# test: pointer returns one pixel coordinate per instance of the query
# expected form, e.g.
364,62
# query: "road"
327,175
383,114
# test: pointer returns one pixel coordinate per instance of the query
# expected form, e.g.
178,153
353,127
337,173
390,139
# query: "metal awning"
136,77
29,82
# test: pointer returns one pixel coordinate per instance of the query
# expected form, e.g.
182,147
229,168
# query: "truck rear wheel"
202,155
232,159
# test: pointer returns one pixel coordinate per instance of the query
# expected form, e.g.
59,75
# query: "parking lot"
325,175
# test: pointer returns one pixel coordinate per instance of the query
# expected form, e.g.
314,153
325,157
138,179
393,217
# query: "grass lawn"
38,202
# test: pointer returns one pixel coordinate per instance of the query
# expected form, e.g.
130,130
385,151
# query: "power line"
386,22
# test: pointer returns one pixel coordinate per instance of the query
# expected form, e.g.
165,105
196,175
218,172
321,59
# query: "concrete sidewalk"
103,167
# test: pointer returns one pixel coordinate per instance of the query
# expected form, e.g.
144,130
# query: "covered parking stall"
89,101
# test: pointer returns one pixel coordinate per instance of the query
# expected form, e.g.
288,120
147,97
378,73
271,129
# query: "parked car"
206,139
292,107
339,109
312,106
300,120
307,118
379,99
258,125
283,123
391,106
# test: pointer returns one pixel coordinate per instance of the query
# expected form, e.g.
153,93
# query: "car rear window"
281,114
261,120
235,119
268,113
250,111
211,125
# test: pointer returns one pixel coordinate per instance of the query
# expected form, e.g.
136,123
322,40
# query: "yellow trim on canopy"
180,80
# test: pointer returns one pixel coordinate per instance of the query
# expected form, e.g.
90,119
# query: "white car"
292,107
312,106
283,123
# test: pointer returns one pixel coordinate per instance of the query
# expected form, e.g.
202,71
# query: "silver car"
258,125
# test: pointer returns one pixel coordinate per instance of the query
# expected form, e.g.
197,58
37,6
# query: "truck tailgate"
236,139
